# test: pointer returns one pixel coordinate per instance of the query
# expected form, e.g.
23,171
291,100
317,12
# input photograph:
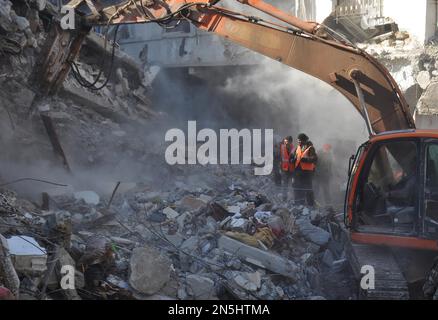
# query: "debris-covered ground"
227,237
172,233
90,210
414,67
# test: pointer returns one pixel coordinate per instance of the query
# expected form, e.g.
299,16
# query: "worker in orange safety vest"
304,159
286,164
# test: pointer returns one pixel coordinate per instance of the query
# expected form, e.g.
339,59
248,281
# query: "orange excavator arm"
305,46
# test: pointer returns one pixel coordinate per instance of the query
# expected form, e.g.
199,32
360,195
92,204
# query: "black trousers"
286,183
303,187
276,175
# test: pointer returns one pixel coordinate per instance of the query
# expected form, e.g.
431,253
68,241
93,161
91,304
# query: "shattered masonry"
221,235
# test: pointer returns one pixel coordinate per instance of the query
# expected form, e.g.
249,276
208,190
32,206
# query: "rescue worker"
325,174
276,163
286,165
305,159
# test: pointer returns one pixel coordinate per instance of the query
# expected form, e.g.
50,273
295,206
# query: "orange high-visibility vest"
285,156
303,165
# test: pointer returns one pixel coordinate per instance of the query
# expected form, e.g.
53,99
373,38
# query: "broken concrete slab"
205,198
170,213
191,203
90,197
191,244
27,255
427,105
149,270
248,281
423,79
261,258
176,239
92,101
312,233
182,219
22,96
233,209
200,288
122,241
239,224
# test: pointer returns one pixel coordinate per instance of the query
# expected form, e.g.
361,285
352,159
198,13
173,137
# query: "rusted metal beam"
54,140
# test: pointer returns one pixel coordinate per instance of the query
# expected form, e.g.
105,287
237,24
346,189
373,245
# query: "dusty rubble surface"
181,233
93,125
225,237
413,66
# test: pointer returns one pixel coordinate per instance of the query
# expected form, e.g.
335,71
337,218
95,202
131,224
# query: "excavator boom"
305,46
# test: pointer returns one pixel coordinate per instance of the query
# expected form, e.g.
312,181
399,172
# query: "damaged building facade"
198,53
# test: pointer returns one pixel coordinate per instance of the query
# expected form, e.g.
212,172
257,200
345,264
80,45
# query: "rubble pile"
181,233
217,240
413,66
97,122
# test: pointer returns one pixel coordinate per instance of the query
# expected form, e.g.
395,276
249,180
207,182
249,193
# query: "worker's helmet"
303,137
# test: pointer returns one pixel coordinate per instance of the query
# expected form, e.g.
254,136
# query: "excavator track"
390,283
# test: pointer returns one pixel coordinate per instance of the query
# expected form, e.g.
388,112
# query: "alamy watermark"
68,19
68,277
368,281
182,151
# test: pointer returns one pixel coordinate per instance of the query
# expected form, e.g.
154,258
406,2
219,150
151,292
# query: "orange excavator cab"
372,214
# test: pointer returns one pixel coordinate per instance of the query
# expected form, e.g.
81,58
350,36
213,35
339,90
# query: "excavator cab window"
388,197
431,189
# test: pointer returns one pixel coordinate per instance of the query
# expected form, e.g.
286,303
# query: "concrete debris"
159,252
98,249
90,197
423,79
234,209
200,288
179,233
427,104
170,213
149,270
27,255
239,224
248,281
312,233
260,258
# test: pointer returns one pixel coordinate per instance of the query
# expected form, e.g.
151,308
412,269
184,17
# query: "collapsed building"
129,225
164,235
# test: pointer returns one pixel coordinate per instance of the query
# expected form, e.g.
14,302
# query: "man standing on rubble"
286,165
276,164
305,159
